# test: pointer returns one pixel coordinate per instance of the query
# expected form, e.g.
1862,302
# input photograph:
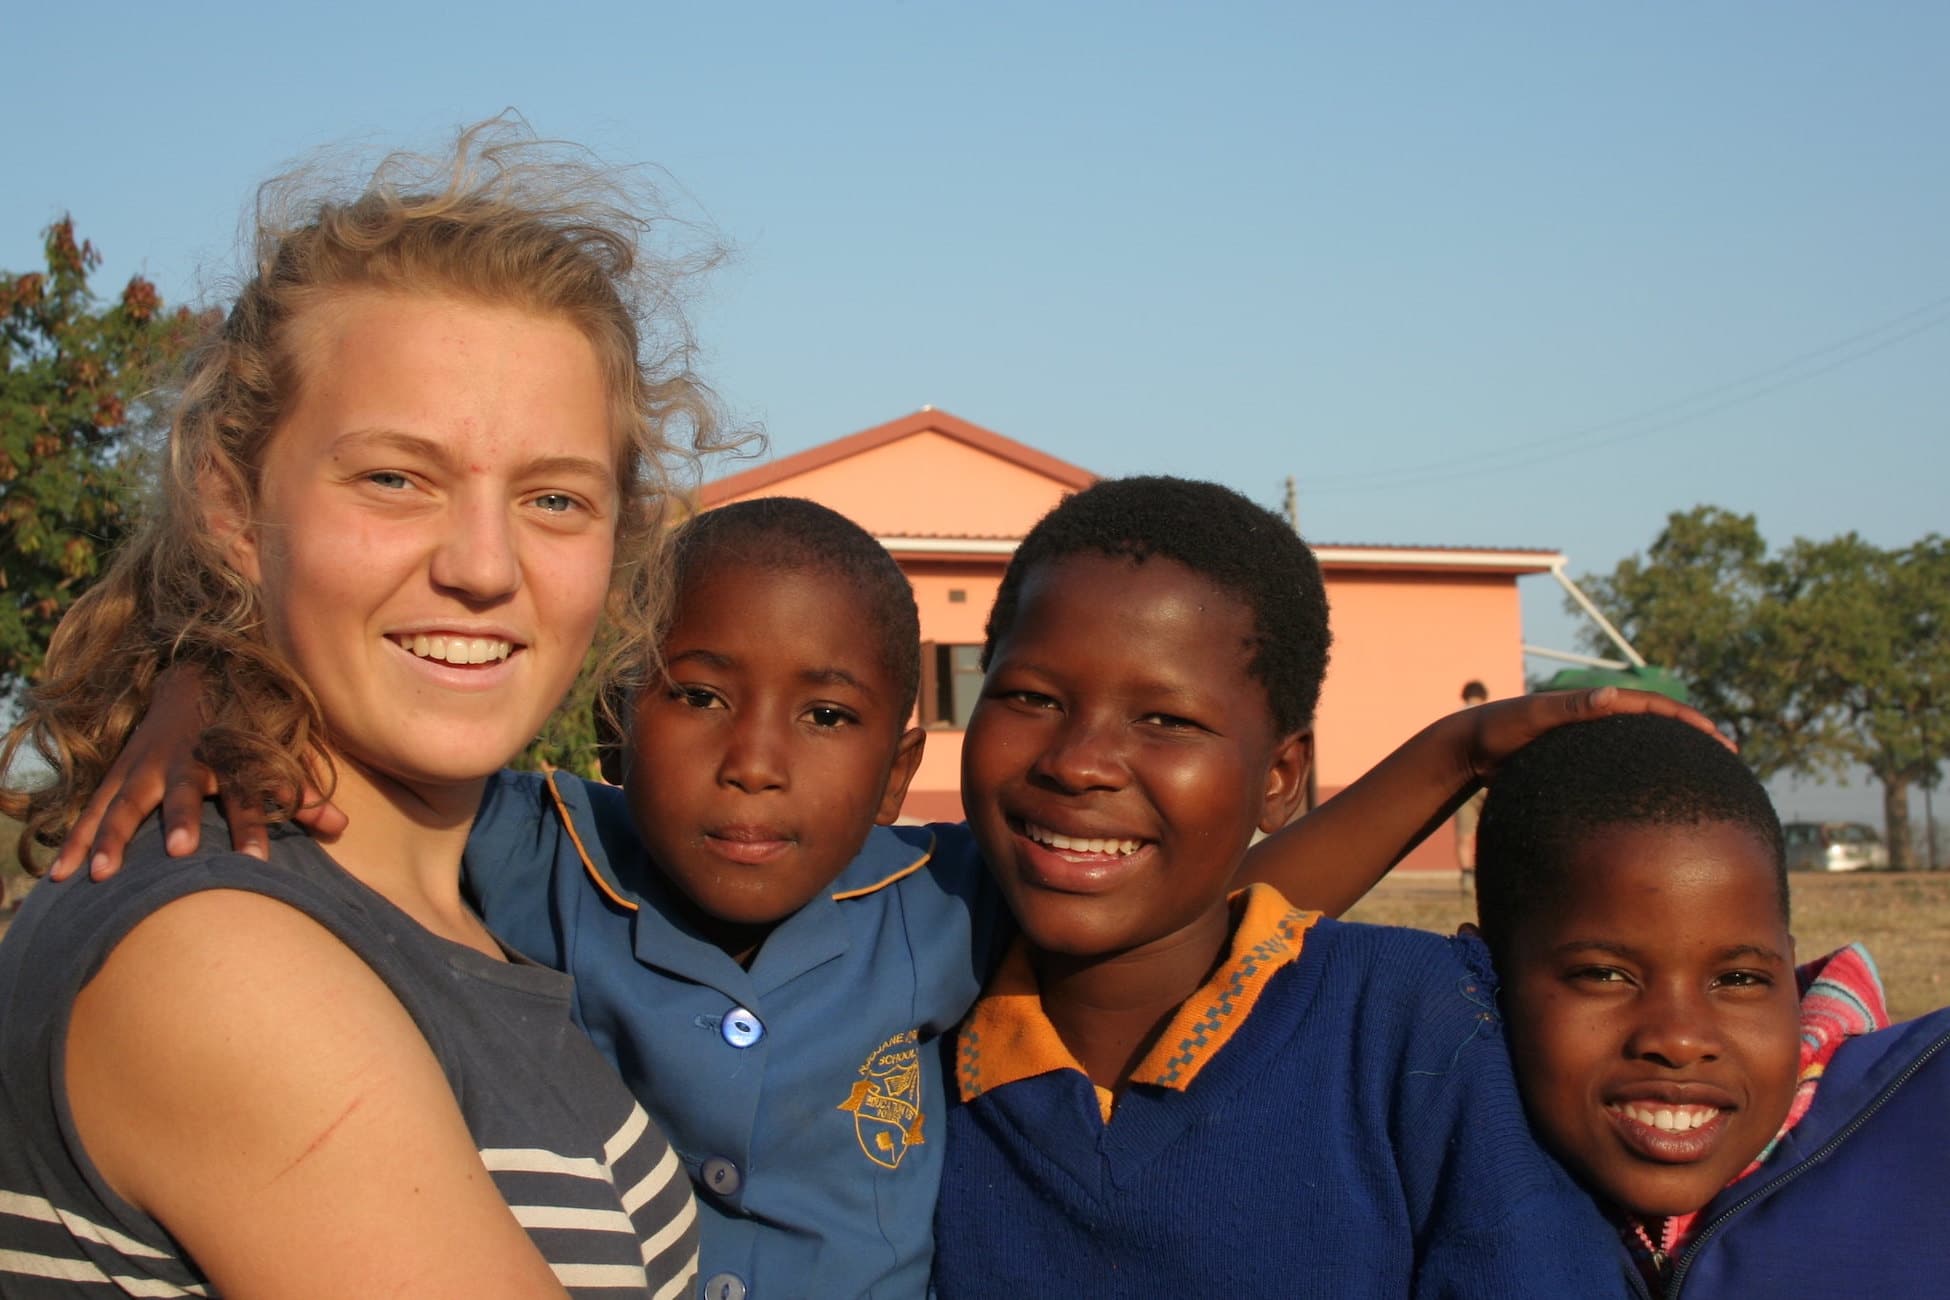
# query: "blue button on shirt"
741,1028
816,1073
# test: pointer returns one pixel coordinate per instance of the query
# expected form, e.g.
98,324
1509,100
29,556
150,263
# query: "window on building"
951,681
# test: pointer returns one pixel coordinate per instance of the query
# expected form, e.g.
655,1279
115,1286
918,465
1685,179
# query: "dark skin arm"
158,765
1328,859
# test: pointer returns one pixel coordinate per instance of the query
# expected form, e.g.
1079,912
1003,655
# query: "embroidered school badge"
886,1101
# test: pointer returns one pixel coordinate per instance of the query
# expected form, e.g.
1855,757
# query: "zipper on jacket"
1706,1234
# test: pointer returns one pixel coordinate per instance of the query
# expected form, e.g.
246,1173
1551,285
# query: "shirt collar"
890,853
1008,1037
814,935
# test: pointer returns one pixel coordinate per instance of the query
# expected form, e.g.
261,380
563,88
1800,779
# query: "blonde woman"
397,495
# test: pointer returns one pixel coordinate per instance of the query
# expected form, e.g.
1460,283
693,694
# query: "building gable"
929,474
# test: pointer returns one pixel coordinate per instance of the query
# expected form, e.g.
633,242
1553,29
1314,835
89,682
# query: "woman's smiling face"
1653,1012
434,527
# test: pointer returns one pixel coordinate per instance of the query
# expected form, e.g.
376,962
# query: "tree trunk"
1895,822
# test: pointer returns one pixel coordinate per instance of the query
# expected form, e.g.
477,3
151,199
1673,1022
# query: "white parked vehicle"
1834,846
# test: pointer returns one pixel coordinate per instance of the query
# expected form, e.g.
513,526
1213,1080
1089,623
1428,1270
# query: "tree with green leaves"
1826,655
73,380
1702,602
1875,626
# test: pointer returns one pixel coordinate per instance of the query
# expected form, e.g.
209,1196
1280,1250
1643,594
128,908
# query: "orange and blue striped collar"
1008,1037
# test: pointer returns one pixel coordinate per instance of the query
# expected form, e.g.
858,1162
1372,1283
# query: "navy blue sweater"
1360,1135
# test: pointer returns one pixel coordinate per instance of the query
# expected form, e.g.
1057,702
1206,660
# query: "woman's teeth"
1078,844
1671,1119
456,649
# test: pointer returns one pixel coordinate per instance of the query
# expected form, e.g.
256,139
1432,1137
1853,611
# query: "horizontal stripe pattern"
72,1273
49,1251
596,1238
555,1128
41,1209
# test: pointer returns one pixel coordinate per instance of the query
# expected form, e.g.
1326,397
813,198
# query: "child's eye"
1598,975
1171,721
697,697
1029,699
827,716
1744,979
557,503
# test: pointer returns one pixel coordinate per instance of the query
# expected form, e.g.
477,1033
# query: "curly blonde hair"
503,219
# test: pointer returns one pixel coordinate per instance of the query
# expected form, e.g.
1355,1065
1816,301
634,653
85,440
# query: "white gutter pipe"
1565,656
1636,659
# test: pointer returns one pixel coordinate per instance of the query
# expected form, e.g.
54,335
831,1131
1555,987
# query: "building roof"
1032,482
925,420
1475,559
1334,558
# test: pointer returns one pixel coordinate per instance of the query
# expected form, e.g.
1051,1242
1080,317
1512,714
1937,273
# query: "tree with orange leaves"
75,377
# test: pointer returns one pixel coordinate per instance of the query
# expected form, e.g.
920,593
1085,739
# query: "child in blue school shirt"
766,959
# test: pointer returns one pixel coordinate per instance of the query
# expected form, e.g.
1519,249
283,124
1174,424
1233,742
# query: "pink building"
950,500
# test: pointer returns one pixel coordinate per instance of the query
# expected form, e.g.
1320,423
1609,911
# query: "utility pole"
1290,505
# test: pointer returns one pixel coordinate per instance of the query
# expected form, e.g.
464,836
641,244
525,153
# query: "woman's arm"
1329,858
241,1076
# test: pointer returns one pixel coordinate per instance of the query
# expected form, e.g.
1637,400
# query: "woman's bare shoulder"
241,1075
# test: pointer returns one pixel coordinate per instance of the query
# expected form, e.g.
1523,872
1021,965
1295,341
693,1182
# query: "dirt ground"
1903,918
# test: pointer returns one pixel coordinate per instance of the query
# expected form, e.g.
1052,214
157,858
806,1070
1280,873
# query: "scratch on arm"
321,1139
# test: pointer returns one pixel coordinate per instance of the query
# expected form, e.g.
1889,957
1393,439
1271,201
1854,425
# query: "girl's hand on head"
1499,729
158,767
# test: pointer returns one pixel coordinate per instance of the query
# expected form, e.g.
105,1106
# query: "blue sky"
1516,274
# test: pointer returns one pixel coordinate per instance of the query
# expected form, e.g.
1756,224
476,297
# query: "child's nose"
1677,1030
754,760
1082,755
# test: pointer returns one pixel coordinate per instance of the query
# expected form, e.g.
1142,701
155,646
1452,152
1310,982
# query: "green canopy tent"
1638,679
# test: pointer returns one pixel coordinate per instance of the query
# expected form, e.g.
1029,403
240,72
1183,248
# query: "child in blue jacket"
1751,1133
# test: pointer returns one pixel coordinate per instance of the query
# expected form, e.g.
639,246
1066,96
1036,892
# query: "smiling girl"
394,497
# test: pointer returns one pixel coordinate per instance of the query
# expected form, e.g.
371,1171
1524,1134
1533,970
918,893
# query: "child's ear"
1286,781
907,761
228,521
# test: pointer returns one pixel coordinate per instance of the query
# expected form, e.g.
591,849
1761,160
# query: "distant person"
1473,694
1746,1141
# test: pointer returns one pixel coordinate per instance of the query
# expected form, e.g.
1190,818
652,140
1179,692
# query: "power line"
1654,419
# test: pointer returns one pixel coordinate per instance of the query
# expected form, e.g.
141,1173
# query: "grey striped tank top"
581,1165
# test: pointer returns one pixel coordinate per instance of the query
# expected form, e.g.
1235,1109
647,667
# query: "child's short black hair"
1213,531
796,535
1629,770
